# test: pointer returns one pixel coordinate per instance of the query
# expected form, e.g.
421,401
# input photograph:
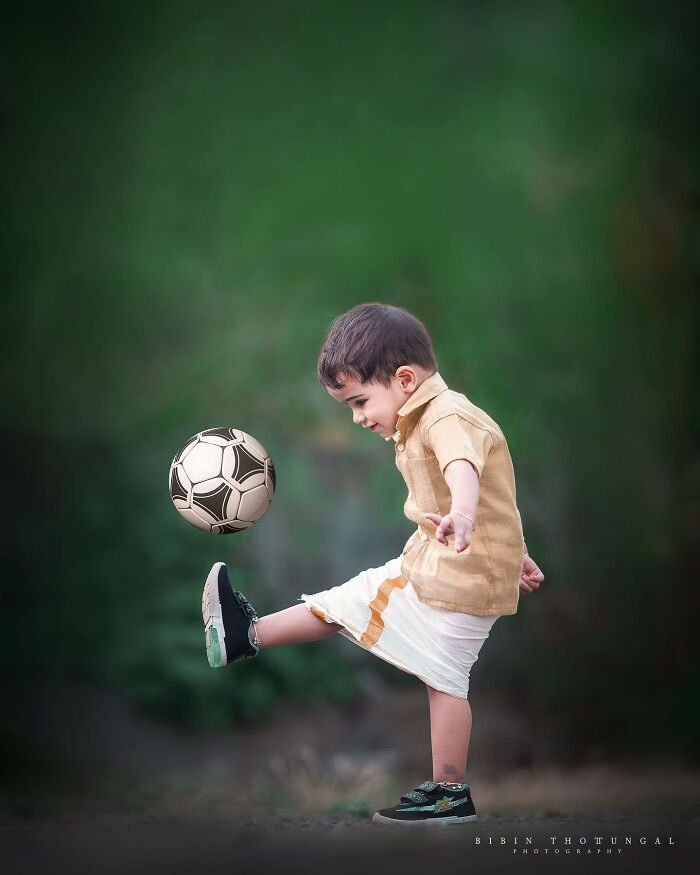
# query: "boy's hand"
531,576
450,524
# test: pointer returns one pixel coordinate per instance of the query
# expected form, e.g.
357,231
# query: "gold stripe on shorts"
317,612
375,627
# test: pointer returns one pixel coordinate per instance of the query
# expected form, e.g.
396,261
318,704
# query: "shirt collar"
427,390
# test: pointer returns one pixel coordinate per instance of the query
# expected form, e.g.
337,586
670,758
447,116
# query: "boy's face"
376,407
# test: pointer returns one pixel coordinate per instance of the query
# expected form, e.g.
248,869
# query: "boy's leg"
293,625
450,730
231,623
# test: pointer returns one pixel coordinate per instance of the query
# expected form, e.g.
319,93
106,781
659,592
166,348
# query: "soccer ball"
222,480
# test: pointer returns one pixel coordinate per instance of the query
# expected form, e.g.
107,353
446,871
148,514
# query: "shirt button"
400,447
423,536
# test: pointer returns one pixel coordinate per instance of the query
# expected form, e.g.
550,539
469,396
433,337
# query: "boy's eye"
360,403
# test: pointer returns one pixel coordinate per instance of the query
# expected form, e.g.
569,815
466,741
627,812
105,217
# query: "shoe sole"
213,623
430,821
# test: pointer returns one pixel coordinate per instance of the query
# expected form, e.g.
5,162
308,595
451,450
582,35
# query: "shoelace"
418,794
245,605
249,611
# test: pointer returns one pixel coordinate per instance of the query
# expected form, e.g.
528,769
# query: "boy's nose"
357,416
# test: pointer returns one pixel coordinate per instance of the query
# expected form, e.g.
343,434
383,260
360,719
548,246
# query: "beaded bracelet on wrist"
466,517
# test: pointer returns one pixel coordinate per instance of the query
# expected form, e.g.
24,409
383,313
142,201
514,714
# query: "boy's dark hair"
370,342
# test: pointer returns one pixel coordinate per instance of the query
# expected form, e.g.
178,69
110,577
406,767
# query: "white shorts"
380,611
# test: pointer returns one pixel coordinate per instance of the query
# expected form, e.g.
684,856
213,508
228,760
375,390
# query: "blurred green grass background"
194,193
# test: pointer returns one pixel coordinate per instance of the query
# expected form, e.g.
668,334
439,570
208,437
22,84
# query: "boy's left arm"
462,479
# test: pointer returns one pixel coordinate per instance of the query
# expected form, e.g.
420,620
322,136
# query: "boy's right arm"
531,576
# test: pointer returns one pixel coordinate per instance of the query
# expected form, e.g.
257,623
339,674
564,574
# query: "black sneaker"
431,803
228,618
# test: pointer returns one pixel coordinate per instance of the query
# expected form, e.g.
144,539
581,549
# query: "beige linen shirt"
435,426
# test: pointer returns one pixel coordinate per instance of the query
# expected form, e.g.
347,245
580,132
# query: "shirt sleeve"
453,437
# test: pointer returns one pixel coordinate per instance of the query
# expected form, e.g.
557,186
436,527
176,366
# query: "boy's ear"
407,377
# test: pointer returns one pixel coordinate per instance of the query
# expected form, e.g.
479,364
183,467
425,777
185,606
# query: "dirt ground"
297,795
119,844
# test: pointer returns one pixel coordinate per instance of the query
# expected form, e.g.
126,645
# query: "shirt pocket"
417,460
430,492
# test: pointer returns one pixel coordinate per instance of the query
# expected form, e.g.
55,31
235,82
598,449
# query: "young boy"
429,610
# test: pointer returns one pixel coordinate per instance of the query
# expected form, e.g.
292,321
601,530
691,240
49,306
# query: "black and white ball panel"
179,484
202,462
226,435
216,500
241,467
